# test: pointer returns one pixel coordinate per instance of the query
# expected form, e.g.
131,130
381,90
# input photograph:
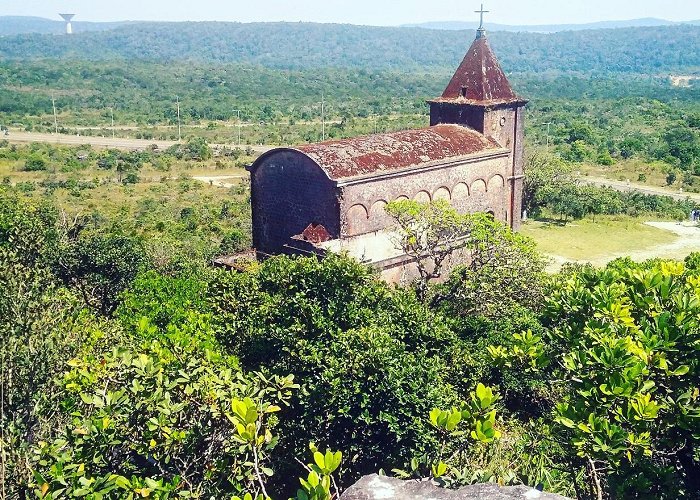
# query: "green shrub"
163,300
365,355
100,266
627,340
42,326
692,262
234,241
172,417
35,163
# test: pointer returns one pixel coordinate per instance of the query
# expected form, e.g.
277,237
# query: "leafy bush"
162,300
366,386
628,340
41,327
35,163
692,262
26,229
100,266
504,271
170,417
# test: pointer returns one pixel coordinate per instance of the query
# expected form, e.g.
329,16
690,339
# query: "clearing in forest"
606,239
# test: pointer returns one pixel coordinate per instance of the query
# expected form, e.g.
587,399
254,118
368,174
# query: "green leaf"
320,460
454,419
681,370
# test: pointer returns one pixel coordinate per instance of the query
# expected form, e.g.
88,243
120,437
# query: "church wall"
519,169
505,125
289,192
444,112
469,187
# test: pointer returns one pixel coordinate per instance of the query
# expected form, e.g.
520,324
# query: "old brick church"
330,196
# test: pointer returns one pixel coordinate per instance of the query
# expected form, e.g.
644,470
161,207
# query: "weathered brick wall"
506,126
505,123
473,186
289,192
446,112
519,168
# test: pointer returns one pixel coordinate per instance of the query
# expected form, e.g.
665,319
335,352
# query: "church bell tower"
480,97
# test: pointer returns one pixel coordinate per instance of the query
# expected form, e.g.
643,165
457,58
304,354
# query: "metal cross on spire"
481,31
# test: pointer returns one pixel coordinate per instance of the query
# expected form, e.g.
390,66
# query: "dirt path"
104,142
624,186
78,140
687,240
220,181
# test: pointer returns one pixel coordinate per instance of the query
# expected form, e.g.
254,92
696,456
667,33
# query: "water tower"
68,18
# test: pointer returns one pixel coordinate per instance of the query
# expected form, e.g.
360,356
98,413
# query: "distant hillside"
647,50
550,28
18,25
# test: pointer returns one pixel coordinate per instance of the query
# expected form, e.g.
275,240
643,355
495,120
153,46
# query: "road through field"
625,186
105,142
221,180
78,140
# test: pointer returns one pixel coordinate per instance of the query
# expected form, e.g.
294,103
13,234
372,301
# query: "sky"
372,12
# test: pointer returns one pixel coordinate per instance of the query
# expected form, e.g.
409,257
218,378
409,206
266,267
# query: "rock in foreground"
376,487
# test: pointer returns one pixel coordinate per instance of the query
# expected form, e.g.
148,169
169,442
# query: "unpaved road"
687,241
78,140
220,181
624,186
105,142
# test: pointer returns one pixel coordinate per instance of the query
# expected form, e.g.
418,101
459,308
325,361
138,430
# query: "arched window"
442,193
422,197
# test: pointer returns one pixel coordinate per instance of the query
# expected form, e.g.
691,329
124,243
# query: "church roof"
479,79
379,153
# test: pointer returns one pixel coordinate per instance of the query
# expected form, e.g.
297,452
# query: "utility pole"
239,125
111,109
548,124
323,117
179,130
55,118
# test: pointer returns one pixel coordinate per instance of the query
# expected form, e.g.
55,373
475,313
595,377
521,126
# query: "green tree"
366,387
543,172
565,200
578,152
197,149
671,177
429,233
100,266
503,271
683,144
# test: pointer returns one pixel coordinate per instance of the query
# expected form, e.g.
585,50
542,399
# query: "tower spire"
481,32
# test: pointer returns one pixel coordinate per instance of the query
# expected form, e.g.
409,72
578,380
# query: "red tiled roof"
316,233
479,79
379,153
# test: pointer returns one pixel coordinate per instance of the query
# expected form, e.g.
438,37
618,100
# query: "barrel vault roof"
381,153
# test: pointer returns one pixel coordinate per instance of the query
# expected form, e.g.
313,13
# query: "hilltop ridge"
647,50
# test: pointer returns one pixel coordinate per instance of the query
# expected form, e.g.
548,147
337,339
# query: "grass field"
600,241
177,214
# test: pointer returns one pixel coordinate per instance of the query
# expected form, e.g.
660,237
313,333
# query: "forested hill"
650,50
16,25
550,28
